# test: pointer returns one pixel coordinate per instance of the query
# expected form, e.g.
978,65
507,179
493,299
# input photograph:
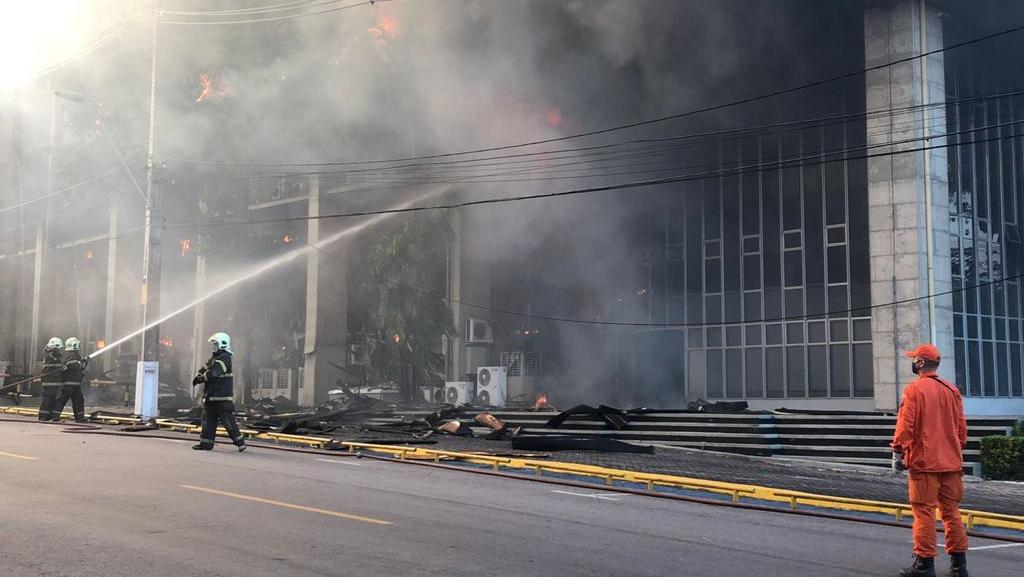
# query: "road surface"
86,505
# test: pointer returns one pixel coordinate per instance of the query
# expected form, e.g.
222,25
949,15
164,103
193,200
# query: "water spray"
268,266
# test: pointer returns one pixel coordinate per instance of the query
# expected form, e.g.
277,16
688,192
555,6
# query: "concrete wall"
901,190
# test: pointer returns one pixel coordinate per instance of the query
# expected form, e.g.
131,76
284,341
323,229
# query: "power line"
849,312
709,108
272,18
815,159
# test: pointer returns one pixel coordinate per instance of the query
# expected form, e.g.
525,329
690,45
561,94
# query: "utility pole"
147,376
42,238
151,249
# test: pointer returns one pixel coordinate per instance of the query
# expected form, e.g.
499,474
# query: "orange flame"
211,88
553,117
385,29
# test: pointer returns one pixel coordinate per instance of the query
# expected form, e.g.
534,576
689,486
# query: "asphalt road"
84,505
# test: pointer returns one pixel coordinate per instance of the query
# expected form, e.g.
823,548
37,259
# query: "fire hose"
98,430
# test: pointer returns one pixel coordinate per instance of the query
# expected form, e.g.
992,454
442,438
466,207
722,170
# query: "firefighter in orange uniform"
931,433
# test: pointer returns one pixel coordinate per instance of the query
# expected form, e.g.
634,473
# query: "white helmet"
222,341
72,344
54,344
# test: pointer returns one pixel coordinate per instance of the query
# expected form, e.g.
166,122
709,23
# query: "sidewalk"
827,479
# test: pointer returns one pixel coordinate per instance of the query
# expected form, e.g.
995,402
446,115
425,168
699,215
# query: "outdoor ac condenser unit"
458,393
491,386
478,331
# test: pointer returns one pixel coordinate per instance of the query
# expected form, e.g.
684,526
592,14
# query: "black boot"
202,447
922,567
80,418
958,565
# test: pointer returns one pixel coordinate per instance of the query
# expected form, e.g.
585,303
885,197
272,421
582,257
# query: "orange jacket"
931,430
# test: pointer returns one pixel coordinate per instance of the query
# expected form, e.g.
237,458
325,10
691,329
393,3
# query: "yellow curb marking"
289,505
16,456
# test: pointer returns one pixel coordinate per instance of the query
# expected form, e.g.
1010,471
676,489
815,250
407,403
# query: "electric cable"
797,162
712,107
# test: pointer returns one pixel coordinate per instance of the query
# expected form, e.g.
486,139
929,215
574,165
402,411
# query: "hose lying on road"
89,429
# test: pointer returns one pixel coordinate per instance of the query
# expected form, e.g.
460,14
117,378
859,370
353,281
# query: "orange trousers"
944,491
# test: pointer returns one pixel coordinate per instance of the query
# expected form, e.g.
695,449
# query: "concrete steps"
855,438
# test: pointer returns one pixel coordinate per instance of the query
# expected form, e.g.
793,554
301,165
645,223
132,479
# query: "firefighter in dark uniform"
52,377
74,374
218,395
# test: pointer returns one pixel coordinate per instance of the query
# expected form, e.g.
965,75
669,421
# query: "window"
835,234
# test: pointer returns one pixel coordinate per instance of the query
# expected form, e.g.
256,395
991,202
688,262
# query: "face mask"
913,367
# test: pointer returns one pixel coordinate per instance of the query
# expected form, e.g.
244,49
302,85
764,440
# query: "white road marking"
339,462
600,496
1003,546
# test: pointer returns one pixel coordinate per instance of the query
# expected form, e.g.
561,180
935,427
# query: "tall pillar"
907,192
469,281
326,305
111,295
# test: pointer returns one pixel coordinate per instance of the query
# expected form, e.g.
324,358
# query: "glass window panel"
713,360
676,309
713,308
696,376
840,370
734,373
817,371
674,252
754,372
795,373
774,367
753,334
839,331
794,333
974,368
862,329
733,306
863,379
794,268
695,338
836,235
751,272
752,306
734,336
773,334
1000,327
816,303
676,274
1002,370
972,327
713,275
958,326
712,248
837,264
816,332
792,216
794,302
986,328
961,364
988,376
714,335
837,303
712,209
835,200
792,239
772,304
751,245
1016,376
751,203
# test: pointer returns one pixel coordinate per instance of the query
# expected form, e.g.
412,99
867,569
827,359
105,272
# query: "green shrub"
1002,458
1018,429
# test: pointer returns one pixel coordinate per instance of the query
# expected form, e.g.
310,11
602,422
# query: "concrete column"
468,282
907,193
326,306
111,295
200,348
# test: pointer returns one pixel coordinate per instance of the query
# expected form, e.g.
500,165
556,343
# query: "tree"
400,285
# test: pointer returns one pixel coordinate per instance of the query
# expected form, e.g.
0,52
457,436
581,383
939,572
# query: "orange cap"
928,352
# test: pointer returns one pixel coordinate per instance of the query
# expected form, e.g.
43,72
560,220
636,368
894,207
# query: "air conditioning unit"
478,331
458,393
491,386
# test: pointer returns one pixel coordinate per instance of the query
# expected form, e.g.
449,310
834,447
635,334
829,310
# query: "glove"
85,362
198,380
897,462
201,371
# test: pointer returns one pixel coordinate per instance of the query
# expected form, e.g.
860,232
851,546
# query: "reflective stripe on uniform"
223,365
220,398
